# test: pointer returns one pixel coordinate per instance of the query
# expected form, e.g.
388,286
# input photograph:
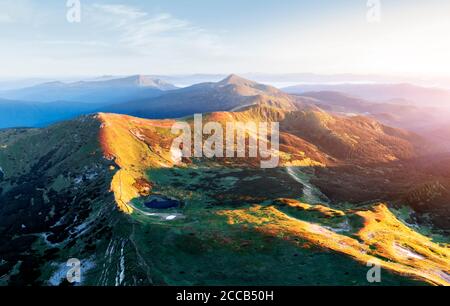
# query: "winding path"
311,194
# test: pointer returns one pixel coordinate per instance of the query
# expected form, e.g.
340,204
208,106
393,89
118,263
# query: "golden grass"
135,145
324,210
383,239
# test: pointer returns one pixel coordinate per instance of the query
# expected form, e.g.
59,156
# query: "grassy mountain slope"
55,204
92,188
420,119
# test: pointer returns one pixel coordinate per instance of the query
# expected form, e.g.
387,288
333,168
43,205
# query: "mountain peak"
146,81
142,80
234,79
246,87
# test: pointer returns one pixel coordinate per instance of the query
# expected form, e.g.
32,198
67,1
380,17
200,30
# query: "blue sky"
224,36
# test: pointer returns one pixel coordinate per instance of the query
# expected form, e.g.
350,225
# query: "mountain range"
230,93
106,189
100,92
384,93
423,120
51,102
39,114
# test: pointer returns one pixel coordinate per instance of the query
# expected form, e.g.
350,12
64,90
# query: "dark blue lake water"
159,202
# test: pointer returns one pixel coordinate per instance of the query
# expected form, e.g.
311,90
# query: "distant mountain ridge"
110,91
424,120
421,96
230,93
39,114
50,102
344,138
132,81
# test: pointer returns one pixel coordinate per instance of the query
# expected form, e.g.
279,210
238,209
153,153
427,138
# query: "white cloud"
121,10
140,33
159,34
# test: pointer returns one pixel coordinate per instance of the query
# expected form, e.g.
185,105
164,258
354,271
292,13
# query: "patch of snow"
121,272
165,216
110,249
91,176
106,264
60,221
59,275
80,229
78,180
44,236
406,252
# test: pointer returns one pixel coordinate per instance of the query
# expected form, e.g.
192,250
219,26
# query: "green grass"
203,249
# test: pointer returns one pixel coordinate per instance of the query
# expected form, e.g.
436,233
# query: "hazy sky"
223,36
